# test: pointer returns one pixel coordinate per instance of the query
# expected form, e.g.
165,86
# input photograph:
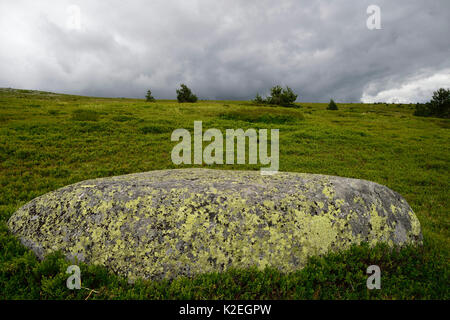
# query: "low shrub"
149,97
439,106
85,115
332,105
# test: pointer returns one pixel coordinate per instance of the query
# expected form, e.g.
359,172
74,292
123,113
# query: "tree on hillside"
149,96
278,96
184,94
438,106
422,110
332,105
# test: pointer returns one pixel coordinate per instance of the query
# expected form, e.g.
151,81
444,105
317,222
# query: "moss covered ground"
50,140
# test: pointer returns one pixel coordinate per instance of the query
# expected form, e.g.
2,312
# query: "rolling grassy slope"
51,140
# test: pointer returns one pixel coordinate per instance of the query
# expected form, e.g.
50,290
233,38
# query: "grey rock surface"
162,224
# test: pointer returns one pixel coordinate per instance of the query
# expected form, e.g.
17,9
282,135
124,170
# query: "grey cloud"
227,49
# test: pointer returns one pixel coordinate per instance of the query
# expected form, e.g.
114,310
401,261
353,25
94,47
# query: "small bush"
149,97
439,106
259,99
422,110
278,96
53,112
85,115
332,105
184,94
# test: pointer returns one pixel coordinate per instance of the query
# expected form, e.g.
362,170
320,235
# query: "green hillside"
51,140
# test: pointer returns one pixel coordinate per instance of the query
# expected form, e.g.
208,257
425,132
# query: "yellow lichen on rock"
167,223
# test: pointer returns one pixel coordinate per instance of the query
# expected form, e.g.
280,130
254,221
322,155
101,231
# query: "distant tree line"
438,106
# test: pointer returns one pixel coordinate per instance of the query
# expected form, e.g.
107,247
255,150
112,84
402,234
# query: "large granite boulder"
162,224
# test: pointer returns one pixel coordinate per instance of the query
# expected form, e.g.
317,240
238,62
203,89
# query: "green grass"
50,140
83,115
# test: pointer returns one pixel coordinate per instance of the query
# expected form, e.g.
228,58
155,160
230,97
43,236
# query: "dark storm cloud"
226,49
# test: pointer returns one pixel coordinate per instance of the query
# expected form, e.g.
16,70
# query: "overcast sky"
229,49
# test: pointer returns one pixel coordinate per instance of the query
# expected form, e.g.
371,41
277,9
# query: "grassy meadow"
51,140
